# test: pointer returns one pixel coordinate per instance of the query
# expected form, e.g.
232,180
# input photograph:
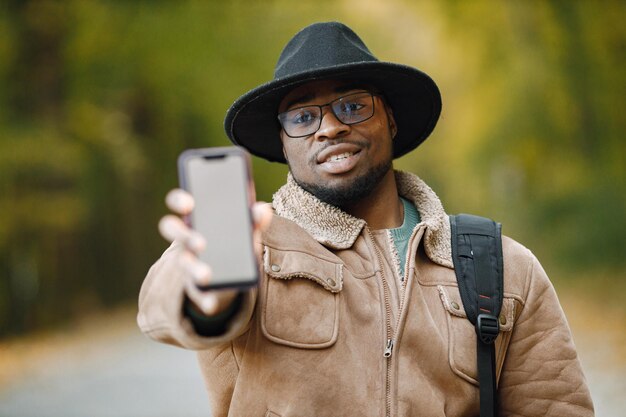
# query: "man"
357,312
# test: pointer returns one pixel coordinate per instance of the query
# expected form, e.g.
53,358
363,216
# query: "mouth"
339,159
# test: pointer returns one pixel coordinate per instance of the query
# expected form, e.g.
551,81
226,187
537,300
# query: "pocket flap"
291,264
451,299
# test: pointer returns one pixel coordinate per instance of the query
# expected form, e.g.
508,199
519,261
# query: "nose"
331,127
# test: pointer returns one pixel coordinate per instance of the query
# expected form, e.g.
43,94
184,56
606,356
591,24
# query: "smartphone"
221,183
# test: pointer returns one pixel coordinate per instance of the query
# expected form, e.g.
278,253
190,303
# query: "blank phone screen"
222,215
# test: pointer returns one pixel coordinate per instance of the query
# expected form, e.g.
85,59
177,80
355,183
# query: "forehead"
319,90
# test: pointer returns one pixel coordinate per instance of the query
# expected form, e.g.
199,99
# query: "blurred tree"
98,97
532,123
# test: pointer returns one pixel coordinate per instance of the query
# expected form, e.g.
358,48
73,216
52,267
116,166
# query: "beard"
344,196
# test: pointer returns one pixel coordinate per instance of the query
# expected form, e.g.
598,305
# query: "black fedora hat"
333,50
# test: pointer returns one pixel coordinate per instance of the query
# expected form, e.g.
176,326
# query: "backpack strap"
477,257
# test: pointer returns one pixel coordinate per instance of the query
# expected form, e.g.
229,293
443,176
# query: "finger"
210,302
262,214
179,201
199,271
173,228
206,301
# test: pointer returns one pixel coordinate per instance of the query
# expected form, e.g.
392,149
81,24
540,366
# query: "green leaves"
97,99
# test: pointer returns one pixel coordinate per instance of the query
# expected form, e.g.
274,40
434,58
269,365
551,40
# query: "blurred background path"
101,367
104,367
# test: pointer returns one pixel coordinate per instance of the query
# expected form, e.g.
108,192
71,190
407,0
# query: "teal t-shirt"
402,234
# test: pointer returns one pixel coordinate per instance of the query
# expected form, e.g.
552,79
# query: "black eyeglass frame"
329,104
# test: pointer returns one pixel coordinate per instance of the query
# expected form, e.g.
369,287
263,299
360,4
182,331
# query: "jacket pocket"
300,301
462,334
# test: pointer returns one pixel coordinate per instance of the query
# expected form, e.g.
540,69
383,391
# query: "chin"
348,191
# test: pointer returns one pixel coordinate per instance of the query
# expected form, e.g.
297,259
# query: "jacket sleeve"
161,314
542,375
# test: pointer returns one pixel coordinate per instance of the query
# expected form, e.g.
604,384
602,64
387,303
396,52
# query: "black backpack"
477,256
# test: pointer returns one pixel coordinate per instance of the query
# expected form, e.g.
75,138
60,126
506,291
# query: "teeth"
335,158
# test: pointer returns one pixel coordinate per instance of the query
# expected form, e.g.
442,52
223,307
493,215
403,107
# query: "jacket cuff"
212,326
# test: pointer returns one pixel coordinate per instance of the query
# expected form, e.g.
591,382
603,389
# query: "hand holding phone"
219,250
219,180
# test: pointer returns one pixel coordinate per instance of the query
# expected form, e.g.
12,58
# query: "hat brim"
252,120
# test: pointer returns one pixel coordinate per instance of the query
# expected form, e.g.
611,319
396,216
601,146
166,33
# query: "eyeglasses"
350,109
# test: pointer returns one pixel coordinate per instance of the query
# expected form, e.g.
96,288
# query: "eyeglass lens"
350,109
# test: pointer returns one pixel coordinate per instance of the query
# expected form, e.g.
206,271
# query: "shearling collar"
336,229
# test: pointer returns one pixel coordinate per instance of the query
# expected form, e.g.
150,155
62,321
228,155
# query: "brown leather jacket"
310,341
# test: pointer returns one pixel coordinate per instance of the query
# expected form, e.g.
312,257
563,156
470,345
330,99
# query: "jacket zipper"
388,349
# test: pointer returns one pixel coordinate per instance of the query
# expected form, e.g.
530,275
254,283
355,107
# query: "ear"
282,141
285,155
393,128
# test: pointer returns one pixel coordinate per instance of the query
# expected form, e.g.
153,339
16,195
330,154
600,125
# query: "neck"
382,208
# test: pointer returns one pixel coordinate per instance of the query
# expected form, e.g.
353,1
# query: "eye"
302,116
354,105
